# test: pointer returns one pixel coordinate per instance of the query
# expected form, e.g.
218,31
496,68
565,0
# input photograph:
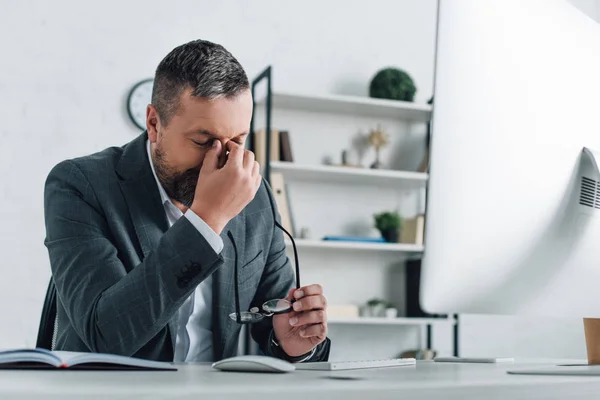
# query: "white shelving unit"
355,105
348,175
327,121
357,246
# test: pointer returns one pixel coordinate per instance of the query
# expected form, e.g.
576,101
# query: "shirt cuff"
211,236
291,359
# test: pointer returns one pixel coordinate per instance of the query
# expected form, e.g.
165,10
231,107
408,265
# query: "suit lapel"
141,193
147,213
224,290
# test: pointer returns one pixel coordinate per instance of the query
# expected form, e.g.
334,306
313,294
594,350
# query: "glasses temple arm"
238,313
295,254
287,233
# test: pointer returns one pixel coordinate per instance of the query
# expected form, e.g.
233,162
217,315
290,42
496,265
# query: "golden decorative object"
378,139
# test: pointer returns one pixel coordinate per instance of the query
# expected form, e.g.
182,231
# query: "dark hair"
205,67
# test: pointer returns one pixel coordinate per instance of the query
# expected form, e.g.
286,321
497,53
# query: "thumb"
290,296
211,159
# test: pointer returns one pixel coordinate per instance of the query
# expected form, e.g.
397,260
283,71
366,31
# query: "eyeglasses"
270,307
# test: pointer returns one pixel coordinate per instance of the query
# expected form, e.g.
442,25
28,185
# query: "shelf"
354,105
357,246
352,175
389,321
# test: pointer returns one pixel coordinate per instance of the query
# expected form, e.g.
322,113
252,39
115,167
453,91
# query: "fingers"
248,160
251,165
211,159
310,290
257,180
317,330
242,158
236,154
256,169
256,174
290,295
309,318
309,298
308,303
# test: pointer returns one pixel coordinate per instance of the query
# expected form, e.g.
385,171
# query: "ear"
152,123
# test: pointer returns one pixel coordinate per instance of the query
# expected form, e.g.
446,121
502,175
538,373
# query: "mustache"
192,172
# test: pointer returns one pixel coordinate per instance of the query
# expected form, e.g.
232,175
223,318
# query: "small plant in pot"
375,308
389,223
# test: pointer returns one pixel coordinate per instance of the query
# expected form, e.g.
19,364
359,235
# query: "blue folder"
354,239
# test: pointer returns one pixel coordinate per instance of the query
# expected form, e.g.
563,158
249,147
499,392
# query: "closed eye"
208,143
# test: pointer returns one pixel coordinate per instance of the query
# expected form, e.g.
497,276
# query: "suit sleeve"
111,310
211,236
276,282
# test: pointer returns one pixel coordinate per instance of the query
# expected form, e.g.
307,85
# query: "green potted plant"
389,223
375,308
392,83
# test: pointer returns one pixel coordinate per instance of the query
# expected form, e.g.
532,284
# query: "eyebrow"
203,132
209,133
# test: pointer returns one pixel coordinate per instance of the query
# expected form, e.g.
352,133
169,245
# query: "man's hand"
222,193
299,331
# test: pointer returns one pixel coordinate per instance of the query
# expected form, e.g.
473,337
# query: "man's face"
178,149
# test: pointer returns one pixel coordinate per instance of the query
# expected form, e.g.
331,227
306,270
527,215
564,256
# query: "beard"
179,186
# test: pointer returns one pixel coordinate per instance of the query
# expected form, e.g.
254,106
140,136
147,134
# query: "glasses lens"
277,306
247,317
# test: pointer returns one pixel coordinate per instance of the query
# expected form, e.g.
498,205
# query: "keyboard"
361,364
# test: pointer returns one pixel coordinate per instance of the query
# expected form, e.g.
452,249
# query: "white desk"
427,380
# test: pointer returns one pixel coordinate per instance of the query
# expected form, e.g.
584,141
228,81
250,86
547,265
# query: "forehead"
222,116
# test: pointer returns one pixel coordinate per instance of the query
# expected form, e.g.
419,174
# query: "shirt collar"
163,195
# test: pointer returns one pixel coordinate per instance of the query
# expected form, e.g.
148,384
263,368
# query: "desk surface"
426,380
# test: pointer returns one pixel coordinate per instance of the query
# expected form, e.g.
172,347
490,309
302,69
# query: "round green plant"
388,220
394,84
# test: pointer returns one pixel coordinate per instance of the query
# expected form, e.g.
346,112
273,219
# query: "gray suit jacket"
121,273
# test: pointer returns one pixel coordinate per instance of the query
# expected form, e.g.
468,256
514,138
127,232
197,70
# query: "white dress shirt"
194,328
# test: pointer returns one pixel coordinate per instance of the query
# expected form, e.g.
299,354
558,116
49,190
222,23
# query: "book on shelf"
260,146
280,193
280,150
285,147
45,359
424,166
413,230
343,311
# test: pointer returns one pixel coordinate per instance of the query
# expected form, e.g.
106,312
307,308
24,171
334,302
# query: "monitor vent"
590,193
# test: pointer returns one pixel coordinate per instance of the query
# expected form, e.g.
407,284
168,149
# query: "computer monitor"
513,200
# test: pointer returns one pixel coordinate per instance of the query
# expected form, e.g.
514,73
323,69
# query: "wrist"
290,357
215,223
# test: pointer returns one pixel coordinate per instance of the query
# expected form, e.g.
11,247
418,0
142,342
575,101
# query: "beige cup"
591,327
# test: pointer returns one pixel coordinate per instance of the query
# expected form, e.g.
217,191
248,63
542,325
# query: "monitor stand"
591,327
